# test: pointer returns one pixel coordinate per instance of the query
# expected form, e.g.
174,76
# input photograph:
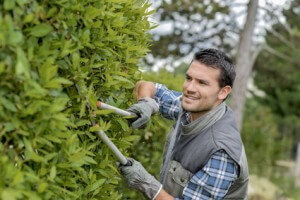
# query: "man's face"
201,90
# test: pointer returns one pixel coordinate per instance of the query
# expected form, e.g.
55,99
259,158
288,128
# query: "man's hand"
138,178
144,108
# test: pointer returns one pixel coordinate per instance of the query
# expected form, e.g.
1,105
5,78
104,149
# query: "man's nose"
191,86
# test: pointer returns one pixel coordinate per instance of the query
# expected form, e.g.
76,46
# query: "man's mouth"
191,97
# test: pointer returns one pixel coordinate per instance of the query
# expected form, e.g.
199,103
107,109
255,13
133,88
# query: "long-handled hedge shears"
104,137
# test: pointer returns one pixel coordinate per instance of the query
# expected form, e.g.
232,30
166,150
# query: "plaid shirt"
215,178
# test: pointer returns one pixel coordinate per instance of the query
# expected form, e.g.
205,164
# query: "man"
204,156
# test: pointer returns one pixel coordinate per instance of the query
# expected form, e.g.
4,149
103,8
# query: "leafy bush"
55,57
262,140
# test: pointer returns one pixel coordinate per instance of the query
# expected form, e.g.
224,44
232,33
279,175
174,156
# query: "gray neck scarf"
205,120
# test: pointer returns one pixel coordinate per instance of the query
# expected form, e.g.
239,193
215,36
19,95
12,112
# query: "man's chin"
189,108
192,109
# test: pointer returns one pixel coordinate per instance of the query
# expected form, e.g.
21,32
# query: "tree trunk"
244,63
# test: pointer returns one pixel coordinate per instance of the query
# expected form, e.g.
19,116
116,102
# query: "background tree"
245,58
192,25
278,75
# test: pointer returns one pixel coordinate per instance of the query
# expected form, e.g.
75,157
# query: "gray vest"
192,151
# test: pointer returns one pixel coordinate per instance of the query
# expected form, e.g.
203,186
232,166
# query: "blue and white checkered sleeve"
168,100
214,180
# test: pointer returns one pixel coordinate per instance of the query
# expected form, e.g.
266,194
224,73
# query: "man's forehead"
198,66
202,71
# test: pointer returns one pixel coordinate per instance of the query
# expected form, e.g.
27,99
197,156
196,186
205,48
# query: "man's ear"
224,92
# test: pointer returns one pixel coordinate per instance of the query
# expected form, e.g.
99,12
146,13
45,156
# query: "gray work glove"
138,178
144,108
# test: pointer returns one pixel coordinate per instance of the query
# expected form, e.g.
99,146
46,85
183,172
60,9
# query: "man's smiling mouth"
191,97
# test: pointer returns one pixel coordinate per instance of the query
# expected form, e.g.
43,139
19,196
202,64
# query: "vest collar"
204,121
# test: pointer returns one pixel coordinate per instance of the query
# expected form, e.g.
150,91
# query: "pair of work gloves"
135,175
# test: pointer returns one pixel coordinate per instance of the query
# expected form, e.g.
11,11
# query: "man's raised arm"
145,105
144,89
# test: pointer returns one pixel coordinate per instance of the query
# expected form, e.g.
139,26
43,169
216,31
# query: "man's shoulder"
227,123
226,135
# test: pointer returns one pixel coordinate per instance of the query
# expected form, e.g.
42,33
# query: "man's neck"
196,115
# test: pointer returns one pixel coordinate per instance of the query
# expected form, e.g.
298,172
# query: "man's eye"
188,78
202,83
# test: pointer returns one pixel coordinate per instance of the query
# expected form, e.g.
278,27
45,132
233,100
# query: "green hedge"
55,56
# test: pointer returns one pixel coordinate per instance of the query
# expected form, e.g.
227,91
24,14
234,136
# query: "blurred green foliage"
278,74
55,57
261,138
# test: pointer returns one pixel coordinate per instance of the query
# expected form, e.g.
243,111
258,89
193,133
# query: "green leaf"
83,123
124,80
24,133
2,67
52,173
9,4
91,13
92,98
28,18
14,38
82,108
35,106
53,138
9,194
58,104
42,187
94,186
75,60
34,90
18,178
90,160
41,30
67,48
30,154
57,83
48,70
61,117
9,127
22,65
132,138
123,124
8,104
95,128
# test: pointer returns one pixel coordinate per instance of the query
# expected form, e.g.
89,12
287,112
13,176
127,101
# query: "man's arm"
163,195
212,181
144,89
168,100
145,105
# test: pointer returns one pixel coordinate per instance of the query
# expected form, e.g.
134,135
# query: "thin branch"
255,54
281,38
279,54
286,26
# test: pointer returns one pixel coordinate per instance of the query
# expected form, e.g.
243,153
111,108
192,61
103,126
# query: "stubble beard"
197,111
